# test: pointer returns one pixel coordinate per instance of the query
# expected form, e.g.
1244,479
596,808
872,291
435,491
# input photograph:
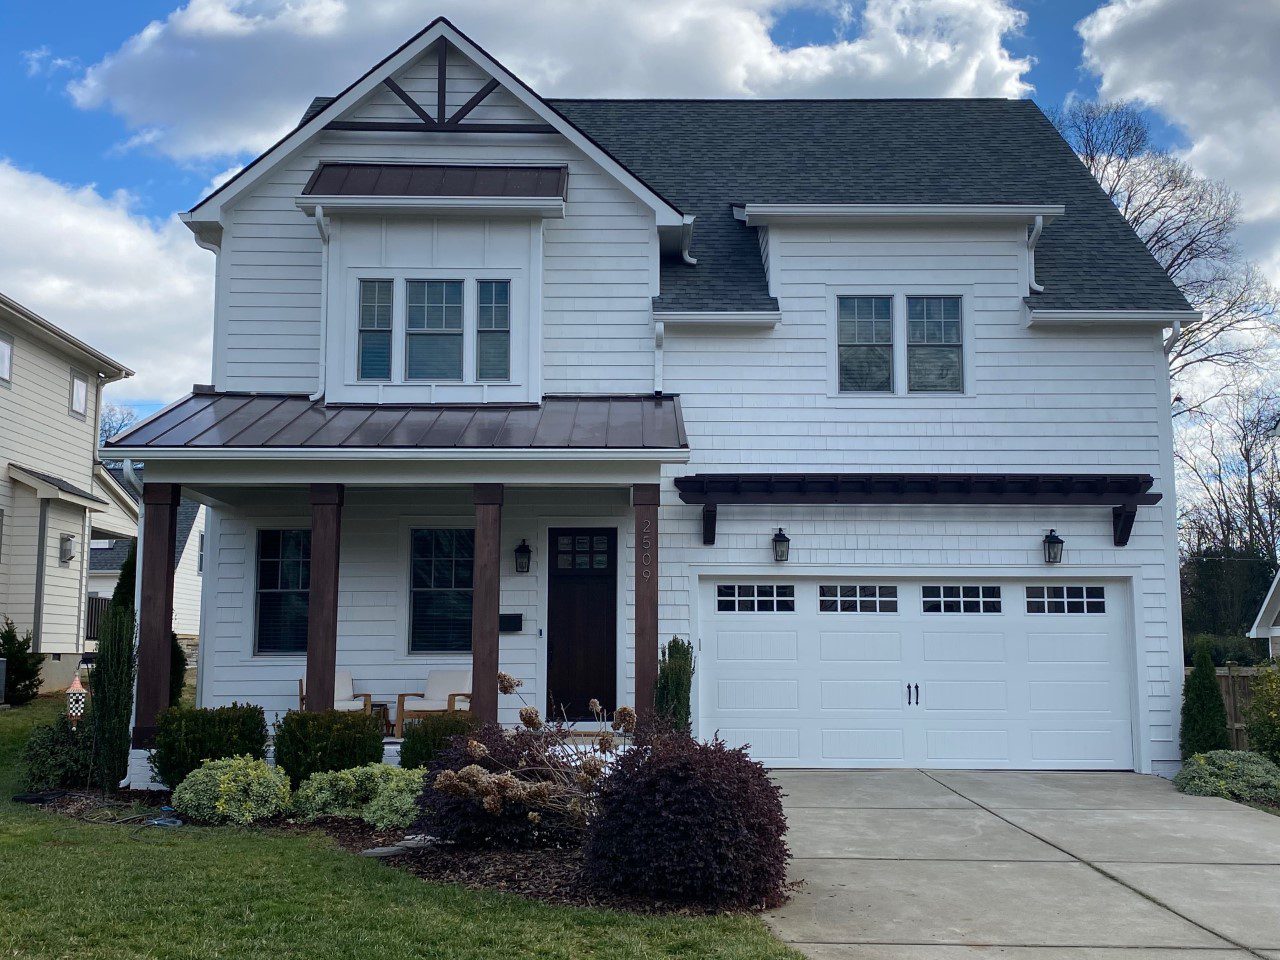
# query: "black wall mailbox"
510,622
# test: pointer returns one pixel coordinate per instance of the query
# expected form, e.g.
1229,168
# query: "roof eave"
758,214
110,370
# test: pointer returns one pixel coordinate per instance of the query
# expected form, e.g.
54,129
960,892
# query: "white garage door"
838,673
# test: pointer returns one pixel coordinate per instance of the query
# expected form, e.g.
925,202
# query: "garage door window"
858,598
755,598
961,598
1066,600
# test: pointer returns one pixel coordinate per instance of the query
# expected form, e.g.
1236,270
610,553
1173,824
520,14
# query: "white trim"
755,319
1160,318
457,454
552,208
108,370
1263,628
754,214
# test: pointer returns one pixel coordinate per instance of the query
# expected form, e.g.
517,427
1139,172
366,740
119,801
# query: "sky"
116,116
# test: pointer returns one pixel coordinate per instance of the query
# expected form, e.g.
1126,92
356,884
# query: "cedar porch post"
644,501
155,612
322,604
485,589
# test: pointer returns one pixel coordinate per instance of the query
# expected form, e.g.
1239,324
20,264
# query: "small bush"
236,790
111,695
177,670
186,737
395,805
683,821
57,756
1204,718
308,743
22,667
378,793
1262,719
427,736
1233,774
675,684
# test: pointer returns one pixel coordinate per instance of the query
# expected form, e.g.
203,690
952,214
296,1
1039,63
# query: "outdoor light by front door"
1052,547
523,555
781,546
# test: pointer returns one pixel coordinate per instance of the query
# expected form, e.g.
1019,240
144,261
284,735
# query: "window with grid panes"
964,598
935,357
864,333
1066,599
493,330
433,330
858,598
283,590
755,598
441,566
373,361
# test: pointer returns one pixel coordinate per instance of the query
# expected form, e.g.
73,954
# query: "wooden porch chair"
445,690
344,696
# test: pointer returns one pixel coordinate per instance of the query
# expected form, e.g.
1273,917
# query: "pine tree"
177,670
111,695
22,666
1204,718
675,683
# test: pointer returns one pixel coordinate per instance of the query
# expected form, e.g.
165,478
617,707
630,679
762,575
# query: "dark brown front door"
582,621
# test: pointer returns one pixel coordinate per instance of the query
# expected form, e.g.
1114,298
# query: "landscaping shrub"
1239,775
1204,718
186,737
427,736
22,667
683,821
675,684
395,805
308,743
236,790
1262,719
177,670
57,756
111,696
378,793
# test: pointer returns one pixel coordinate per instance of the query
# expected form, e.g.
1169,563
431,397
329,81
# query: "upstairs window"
935,360
79,400
865,344
493,330
6,359
376,302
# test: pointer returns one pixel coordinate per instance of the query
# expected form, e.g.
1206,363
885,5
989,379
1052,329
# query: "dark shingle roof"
64,485
704,155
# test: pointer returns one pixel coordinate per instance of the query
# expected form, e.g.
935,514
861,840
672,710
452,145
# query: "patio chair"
344,696
445,690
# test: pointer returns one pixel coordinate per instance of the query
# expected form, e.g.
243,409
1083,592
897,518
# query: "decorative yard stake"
76,697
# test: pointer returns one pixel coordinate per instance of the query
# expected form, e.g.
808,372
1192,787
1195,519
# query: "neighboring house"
1266,626
54,495
107,555
640,346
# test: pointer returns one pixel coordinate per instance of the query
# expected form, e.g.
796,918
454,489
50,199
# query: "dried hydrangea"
477,749
624,720
508,684
593,766
530,717
605,743
594,706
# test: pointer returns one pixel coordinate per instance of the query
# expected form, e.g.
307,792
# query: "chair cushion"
343,687
425,703
349,705
441,683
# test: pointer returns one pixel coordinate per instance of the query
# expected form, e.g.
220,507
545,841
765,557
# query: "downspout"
132,477
322,227
1172,339
686,238
1032,240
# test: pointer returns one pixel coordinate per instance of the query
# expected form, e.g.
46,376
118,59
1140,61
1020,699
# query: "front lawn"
86,891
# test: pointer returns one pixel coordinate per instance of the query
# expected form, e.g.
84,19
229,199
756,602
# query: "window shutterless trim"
867,334
258,590
6,372
458,333
76,375
374,328
922,335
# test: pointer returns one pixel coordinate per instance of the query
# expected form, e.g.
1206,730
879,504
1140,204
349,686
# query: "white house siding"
61,630
187,583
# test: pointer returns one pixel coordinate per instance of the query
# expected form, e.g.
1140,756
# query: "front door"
582,621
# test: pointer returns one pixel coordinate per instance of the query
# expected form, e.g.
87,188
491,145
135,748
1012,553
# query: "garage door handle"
909,694
917,686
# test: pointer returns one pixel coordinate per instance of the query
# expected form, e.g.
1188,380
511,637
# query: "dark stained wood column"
486,585
644,501
322,605
155,612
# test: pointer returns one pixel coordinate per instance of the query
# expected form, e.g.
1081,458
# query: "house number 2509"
646,546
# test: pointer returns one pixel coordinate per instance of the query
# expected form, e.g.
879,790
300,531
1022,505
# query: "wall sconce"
1053,547
524,553
781,547
67,547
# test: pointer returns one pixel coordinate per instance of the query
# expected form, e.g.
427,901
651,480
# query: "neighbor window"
865,344
6,359
200,555
935,362
440,583
374,361
493,330
79,394
284,590
433,330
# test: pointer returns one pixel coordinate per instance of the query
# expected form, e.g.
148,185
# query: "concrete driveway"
942,865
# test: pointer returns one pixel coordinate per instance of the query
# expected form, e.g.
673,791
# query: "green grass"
69,889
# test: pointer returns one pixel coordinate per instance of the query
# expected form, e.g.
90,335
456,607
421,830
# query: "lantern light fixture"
76,698
781,547
524,553
1053,547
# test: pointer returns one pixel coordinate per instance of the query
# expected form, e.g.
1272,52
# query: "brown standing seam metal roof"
248,420
435,180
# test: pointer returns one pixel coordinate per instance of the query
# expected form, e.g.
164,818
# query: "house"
54,495
107,555
1266,626
867,398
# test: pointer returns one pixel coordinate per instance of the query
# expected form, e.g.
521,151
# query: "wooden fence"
1236,684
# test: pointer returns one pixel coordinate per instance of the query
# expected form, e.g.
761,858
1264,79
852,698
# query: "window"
6,359
755,598
376,298
79,401
101,544
284,590
440,583
864,338
1066,600
858,598
200,556
960,599
935,362
493,330
433,330
582,552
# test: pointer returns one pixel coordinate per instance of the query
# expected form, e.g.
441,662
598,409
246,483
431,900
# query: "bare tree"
1188,222
115,418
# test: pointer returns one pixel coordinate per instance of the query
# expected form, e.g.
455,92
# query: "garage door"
840,673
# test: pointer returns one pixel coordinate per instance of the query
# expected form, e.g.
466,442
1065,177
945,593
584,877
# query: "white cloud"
219,78
41,62
1212,72
139,291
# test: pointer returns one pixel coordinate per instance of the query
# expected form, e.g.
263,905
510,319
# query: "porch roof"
206,419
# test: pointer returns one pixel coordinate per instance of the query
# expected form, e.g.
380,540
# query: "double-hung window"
376,302
441,563
283,590
935,351
78,402
433,330
6,359
493,330
865,344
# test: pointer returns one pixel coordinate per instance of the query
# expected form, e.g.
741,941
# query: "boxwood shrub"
57,757
425,737
377,793
1233,774
308,743
234,790
187,736
688,822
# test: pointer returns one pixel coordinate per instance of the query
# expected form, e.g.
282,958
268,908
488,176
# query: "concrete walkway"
948,865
